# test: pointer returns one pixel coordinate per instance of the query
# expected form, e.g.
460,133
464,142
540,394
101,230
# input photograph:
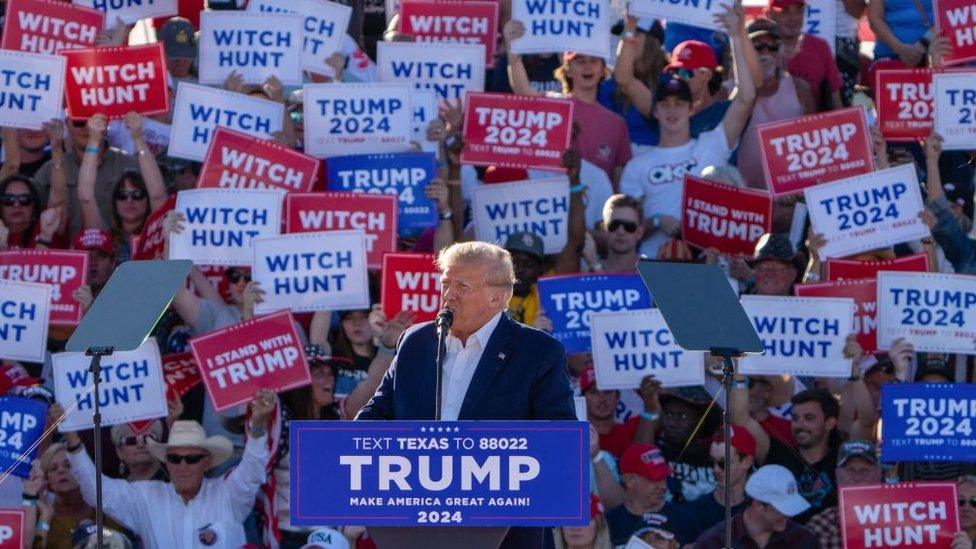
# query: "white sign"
821,21
867,212
579,403
345,119
24,313
308,272
802,335
130,11
155,133
556,26
540,206
324,25
200,109
423,103
449,70
256,45
630,345
221,224
954,97
131,389
698,13
934,311
31,89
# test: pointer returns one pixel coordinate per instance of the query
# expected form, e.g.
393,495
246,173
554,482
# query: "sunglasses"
972,502
771,48
11,199
235,276
683,73
137,194
191,459
629,226
132,440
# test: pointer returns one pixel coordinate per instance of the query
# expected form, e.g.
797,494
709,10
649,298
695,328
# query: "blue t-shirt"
637,125
623,523
905,21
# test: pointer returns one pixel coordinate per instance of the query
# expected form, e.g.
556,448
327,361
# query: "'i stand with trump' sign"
306,272
867,212
200,109
723,217
935,311
254,45
132,387
540,206
922,515
49,26
928,422
261,353
840,269
24,310
630,345
801,335
31,89
342,119
570,300
373,214
220,224
864,292
116,81
239,161
411,282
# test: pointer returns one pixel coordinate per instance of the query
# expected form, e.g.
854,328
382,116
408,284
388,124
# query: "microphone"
445,317
444,320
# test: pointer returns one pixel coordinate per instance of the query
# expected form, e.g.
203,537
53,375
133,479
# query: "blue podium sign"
448,473
928,422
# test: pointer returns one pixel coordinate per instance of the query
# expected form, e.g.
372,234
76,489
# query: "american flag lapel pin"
501,356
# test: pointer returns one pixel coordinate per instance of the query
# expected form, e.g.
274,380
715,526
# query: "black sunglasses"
132,440
137,194
972,502
191,459
771,48
235,276
629,226
682,72
9,199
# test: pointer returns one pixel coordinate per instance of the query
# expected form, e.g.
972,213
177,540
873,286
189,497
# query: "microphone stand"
443,322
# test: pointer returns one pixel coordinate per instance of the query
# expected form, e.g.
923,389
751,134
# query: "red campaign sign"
47,26
864,292
375,214
116,81
411,282
261,353
11,529
818,148
64,270
467,22
956,20
516,131
918,515
903,99
840,269
239,161
149,243
726,218
180,374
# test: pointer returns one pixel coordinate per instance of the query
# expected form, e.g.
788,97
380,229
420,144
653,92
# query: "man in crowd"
710,508
101,257
623,224
808,57
180,45
857,465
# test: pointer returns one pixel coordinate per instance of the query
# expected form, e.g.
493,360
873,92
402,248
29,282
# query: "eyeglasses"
296,116
683,73
971,501
137,194
191,459
235,276
767,46
9,199
629,226
132,440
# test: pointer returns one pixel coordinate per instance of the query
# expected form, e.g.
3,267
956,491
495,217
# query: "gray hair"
499,270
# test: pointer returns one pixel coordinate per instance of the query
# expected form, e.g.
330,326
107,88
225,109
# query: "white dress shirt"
459,366
153,509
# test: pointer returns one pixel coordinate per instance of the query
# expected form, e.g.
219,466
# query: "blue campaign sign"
445,473
21,424
404,175
569,300
928,422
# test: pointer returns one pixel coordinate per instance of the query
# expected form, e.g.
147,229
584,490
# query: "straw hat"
189,434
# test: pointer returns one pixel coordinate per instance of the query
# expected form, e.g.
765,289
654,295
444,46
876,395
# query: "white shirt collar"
482,335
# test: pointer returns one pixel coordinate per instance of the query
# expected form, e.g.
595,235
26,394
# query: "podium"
437,538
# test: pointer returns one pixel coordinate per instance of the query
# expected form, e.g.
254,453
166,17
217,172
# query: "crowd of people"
675,100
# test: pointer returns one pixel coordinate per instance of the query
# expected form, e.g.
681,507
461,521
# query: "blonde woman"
595,535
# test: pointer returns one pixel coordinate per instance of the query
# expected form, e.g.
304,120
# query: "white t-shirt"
846,26
657,177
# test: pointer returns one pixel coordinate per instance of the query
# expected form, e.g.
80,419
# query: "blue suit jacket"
522,375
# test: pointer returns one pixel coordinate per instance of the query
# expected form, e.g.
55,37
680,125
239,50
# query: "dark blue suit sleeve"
381,406
551,396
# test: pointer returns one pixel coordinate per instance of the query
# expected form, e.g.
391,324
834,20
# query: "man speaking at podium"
494,367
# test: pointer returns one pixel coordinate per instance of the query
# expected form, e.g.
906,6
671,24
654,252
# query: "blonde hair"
499,270
48,456
600,541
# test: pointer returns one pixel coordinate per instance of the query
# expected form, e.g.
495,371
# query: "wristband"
385,350
599,457
577,188
73,449
91,150
43,526
740,384
445,216
649,416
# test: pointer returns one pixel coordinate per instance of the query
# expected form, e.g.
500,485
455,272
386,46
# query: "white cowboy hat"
189,434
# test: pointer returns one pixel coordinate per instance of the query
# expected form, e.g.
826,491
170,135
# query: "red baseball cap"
742,440
499,174
645,460
780,5
13,376
692,55
94,239
587,380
